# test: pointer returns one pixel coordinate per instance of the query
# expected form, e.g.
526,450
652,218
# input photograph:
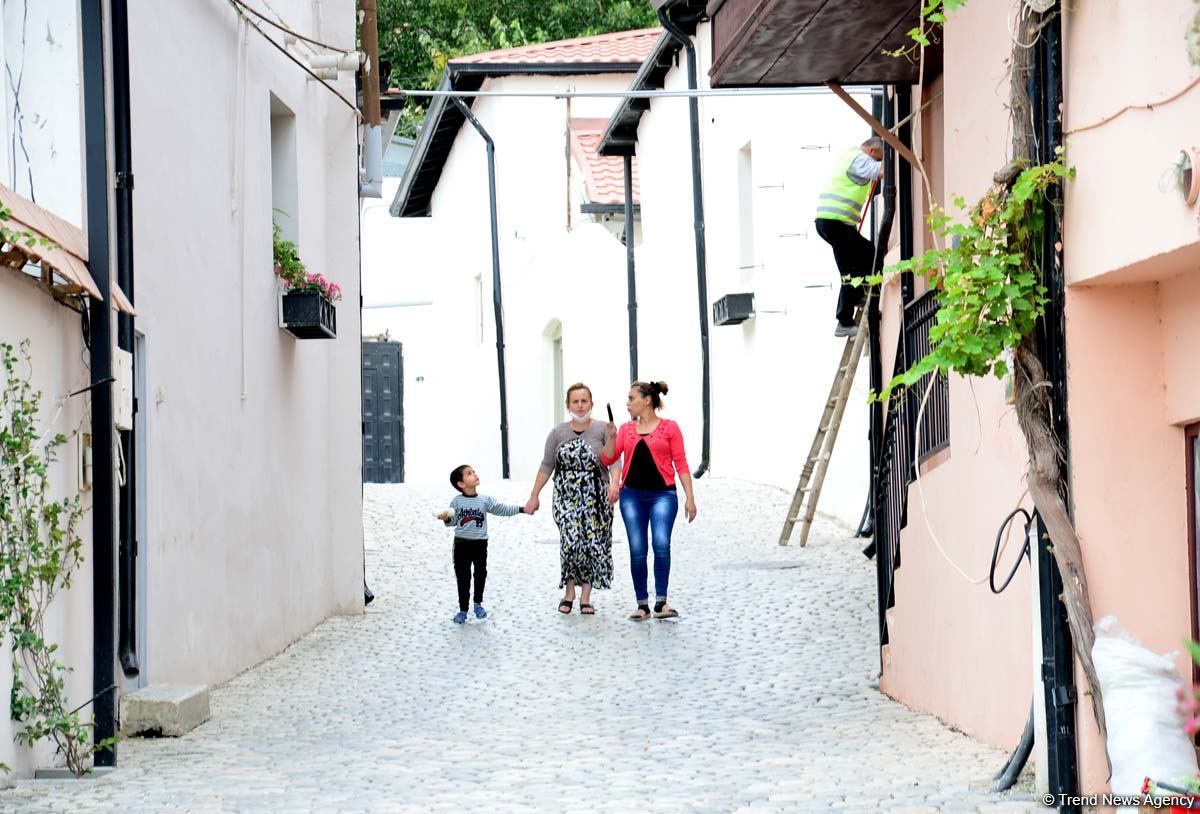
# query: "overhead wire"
287,30
238,6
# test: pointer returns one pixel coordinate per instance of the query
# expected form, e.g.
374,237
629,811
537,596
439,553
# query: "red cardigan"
666,447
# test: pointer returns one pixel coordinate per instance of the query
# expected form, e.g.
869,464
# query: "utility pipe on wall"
371,183
104,651
629,269
883,556
698,211
123,159
497,299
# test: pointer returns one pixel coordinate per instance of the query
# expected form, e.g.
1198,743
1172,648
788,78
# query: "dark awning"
811,42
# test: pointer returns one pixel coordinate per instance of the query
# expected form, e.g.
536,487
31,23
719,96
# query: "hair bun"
659,387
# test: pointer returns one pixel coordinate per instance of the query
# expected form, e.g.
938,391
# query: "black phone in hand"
610,415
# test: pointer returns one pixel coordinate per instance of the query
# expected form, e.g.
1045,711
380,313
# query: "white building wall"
548,274
254,505
254,458
771,374
778,364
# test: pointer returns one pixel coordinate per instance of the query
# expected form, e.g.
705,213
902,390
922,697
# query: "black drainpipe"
698,207
1058,660
123,155
497,301
104,654
907,205
883,559
629,269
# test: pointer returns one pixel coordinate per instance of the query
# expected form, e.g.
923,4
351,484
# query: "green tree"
418,37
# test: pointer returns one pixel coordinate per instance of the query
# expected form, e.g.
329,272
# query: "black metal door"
383,412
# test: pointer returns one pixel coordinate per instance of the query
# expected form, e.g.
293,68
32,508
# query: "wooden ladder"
812,478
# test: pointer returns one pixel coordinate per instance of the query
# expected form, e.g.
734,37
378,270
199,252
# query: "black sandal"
567,604
586,609
641,614
669,613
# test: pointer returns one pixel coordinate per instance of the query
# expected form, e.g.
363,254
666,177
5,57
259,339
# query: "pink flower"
1191,726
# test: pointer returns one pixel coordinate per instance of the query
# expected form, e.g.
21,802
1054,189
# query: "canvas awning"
59,246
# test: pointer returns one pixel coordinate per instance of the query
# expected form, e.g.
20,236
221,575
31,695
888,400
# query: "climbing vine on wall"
40,550
991,293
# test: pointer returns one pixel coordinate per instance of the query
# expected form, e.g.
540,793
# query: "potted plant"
307,307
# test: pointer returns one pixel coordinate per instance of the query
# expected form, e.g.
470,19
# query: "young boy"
468,515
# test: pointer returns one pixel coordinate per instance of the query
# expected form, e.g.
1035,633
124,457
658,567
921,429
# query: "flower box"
309,315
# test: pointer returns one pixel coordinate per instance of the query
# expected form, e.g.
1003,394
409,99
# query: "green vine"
991,294
925,33
40,549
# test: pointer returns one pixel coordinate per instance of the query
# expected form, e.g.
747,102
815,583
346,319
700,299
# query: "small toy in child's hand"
444,515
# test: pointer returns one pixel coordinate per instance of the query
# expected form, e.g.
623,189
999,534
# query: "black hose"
1006,778
996,551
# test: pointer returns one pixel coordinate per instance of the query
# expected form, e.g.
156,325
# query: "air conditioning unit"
733,309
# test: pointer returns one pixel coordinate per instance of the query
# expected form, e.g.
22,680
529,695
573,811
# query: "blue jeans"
654,511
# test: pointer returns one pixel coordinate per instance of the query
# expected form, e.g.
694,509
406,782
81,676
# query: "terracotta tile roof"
67,252
603,176
620,47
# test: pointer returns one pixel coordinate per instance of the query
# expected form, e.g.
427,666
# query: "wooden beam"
876,125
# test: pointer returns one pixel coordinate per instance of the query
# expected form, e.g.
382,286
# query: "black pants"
855,257
468,553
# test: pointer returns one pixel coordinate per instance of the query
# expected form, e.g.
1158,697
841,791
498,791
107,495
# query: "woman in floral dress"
582,504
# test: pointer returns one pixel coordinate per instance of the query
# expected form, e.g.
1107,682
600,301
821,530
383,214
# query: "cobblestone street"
759,698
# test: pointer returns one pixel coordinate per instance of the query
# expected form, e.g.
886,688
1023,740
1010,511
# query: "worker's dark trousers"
855,257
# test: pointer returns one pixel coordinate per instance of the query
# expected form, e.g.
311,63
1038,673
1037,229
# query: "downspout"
104,655
883,560
630,232
1058,657
497,300
371,183
123,160
698,210
903,108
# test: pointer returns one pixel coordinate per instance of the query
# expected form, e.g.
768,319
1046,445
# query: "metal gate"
383,412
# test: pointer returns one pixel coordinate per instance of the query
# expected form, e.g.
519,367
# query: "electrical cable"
18,126
287,30
1024,552
1146,106
237,7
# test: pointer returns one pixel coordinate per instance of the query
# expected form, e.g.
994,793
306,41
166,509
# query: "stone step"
168,710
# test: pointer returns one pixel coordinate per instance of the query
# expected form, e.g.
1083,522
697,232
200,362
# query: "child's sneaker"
460,617
480,613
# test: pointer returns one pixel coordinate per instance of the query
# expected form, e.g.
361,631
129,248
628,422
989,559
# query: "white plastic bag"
1145,729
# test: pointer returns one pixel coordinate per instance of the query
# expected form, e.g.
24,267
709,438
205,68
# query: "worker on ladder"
839,216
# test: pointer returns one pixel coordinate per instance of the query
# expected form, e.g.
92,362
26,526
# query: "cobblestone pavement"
759,699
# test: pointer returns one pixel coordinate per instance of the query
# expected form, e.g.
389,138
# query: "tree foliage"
418,37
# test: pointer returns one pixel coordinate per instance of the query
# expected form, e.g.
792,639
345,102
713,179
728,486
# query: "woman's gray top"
593,436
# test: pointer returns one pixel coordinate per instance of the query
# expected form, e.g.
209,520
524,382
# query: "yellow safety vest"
843,199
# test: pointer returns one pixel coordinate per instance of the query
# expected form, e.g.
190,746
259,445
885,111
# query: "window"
284,193
747,254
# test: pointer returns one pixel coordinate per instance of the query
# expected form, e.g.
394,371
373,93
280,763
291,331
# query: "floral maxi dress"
583,516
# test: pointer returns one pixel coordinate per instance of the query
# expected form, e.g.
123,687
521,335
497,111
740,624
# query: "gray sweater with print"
468,515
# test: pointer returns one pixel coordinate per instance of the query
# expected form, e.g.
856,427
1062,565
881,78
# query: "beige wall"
57,368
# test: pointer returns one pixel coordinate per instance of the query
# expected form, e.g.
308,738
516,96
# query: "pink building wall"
957,650
1133,270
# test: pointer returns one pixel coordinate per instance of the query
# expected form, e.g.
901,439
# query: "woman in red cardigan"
653,451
